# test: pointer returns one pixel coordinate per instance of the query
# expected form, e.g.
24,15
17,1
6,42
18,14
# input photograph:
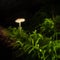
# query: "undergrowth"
42,45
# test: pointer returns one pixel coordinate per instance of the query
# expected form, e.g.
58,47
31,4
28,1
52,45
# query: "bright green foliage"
48,23
14,33
36,46
47,27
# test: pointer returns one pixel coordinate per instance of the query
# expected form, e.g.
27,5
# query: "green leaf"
31,49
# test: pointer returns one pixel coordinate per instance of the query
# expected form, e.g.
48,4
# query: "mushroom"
20,20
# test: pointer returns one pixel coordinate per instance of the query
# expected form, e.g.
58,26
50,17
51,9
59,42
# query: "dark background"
10,10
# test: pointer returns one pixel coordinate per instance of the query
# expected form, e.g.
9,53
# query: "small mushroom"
20,20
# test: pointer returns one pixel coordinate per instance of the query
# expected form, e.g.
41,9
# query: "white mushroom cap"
19,20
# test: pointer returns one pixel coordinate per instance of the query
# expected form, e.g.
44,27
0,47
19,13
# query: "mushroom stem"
20,27
19,24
